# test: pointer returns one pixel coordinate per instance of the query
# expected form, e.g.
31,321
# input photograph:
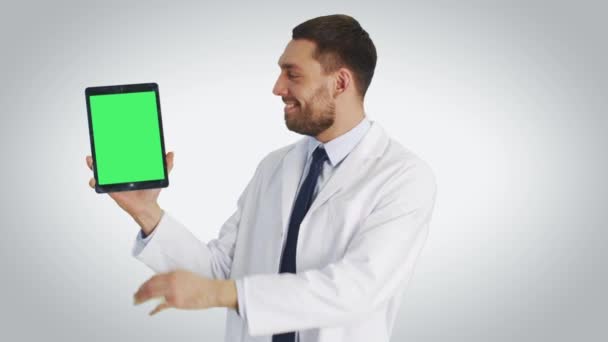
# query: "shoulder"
268,167
276,156
407,173
407,160
273,159
390,157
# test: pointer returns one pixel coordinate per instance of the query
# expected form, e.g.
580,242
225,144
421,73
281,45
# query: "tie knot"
319,156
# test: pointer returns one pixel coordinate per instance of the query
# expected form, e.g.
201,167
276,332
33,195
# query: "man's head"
327,66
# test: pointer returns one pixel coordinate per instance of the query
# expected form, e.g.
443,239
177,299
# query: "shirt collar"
338,148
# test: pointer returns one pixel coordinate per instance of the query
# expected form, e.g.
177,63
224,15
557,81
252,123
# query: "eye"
292,76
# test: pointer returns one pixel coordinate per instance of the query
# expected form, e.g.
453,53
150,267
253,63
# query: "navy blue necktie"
300,208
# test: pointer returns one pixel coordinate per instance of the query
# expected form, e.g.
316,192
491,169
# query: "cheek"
296,93
300,90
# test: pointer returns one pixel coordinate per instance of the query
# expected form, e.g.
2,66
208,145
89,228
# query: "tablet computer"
126,134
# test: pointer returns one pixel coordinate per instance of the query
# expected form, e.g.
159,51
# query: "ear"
343,80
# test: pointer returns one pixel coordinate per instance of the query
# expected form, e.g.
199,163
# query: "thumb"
170,157
162,306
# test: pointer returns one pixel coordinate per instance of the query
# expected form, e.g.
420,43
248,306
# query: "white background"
505,100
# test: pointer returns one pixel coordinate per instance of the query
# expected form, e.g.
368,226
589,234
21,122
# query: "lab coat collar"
371,146
338,148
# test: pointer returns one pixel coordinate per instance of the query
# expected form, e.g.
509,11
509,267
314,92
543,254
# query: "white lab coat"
356,251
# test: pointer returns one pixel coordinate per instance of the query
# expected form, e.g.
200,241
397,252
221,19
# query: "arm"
192,274
172,246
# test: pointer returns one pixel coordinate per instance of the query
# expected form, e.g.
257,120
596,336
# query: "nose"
280,88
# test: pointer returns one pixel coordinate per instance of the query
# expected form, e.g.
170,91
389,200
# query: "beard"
316,117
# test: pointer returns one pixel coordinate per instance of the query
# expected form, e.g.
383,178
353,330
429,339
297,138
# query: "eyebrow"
288,66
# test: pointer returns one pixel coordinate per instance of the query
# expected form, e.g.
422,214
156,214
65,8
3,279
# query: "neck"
345,121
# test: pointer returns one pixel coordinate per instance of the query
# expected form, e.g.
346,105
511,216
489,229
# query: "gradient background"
507,101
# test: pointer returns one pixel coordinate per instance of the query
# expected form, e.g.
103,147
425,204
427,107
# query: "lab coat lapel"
370,146
292,167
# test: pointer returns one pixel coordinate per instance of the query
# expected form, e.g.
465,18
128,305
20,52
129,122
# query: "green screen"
127,137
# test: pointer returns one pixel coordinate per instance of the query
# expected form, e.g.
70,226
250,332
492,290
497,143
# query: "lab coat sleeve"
173,246
377,264
240,291
141,242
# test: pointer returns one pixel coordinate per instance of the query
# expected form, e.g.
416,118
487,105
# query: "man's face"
305,90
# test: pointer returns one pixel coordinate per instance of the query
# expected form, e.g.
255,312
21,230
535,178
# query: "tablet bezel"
122,89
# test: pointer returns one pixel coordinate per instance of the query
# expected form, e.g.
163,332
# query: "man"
326,233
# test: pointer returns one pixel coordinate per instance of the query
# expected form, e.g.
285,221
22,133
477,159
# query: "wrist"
227,295
148,218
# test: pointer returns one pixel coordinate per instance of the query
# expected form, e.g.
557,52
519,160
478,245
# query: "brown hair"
341,42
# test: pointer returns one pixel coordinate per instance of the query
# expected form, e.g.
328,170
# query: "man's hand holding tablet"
128,157
142,205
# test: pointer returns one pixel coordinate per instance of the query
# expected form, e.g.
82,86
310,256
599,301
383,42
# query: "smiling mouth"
291,107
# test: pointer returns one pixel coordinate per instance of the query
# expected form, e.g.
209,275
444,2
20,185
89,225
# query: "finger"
90,162
170,157
153,288
162,306
92,183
